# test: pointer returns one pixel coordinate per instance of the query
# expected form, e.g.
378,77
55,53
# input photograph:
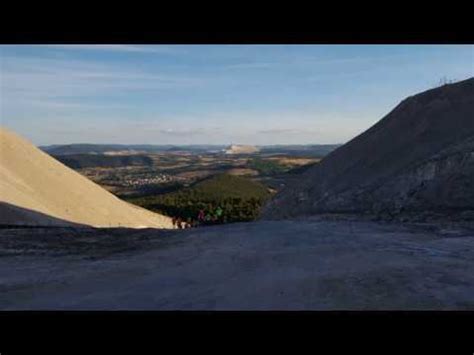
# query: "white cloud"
275,131
252,65
303,127
56,83
163,49
56,92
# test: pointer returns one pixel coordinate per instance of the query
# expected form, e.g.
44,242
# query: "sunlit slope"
32,180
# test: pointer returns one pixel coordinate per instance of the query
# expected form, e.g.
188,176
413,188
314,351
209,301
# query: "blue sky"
221,94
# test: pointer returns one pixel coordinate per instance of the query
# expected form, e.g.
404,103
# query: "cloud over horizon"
57,94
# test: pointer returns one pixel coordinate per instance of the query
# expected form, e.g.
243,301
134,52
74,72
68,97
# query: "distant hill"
100,148
37,190
311,150
418,159
314,150
78,161
133,148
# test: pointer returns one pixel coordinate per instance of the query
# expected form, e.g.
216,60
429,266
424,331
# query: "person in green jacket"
218,213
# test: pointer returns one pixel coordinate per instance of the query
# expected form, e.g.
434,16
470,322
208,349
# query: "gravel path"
274,265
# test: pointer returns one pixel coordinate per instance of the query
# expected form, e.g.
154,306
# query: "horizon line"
189,144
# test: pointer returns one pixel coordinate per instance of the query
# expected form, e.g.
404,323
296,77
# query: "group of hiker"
204,217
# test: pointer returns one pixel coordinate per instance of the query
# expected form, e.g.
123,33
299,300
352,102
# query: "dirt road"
278,265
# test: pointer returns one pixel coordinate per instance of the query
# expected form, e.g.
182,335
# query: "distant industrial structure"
241,149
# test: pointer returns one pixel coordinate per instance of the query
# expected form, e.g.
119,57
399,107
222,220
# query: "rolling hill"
240,199
79,161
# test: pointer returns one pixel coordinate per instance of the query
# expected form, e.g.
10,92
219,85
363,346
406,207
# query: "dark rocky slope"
418,160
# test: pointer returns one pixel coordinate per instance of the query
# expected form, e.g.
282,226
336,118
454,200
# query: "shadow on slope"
14,216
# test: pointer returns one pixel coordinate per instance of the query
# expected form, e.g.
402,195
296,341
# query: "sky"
214,94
